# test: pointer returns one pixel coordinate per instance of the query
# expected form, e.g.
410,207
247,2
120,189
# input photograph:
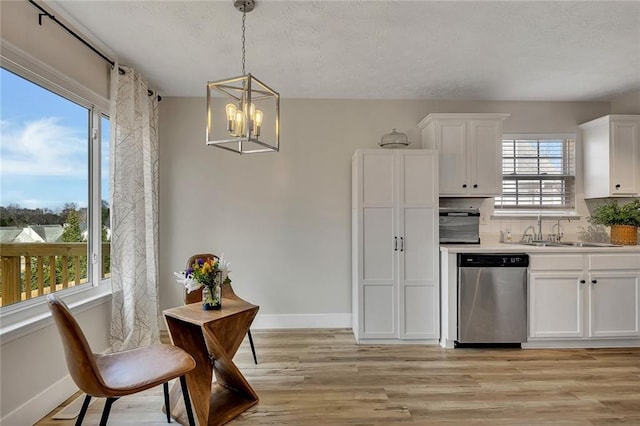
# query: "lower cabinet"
590,296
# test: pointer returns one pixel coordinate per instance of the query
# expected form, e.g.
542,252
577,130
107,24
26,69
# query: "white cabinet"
556,293
614,295
576,296
611,147
470,149
395,245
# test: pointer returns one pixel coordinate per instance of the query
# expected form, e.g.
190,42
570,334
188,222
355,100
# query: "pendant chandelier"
247,115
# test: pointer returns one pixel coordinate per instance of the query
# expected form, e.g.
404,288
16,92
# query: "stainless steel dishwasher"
492,298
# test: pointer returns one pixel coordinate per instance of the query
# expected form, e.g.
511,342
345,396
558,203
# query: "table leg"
213,346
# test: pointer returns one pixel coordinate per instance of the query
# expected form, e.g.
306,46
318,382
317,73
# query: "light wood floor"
317,377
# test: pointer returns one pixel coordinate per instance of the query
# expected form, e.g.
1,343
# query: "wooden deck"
320,377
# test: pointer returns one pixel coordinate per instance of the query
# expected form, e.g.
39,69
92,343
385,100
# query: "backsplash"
577,229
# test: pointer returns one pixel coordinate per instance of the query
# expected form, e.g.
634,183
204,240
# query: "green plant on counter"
611,213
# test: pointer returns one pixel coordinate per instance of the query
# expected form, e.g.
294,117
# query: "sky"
44,148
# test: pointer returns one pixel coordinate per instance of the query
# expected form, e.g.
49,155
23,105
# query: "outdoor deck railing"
29,270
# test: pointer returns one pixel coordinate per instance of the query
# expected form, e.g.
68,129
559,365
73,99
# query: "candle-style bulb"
257,123
231,116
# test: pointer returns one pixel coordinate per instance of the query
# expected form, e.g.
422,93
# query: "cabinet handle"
401,244
395,243
594,281
582,281
464,186
475,185
618,186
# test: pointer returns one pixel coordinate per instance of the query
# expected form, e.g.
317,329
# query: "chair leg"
83,410
107,409
167,403
187,400
253,349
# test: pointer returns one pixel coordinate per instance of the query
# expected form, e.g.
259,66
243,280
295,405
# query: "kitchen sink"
566,244
542,244
585,244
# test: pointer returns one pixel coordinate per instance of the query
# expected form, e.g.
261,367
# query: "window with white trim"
538,173
54,208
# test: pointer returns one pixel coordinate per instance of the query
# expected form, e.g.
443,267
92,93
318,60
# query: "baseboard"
285,321
42,404
582,344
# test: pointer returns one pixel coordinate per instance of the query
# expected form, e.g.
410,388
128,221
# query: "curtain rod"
43,12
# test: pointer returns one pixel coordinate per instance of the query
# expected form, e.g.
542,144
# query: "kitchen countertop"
495,247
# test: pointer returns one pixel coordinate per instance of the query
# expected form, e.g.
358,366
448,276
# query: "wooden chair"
118,374
226,291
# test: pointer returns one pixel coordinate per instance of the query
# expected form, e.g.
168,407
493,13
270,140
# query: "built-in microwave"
459,226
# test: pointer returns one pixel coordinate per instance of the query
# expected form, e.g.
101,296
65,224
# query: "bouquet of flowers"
208,273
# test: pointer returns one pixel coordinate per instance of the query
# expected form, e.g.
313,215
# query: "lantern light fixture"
247,103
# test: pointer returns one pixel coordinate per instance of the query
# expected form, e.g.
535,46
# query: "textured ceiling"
486,50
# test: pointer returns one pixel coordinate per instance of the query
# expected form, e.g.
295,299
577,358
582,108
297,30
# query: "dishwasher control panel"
514,260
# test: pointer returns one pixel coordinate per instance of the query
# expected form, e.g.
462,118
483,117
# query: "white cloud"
43,148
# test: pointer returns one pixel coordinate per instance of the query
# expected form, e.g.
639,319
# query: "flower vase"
211,299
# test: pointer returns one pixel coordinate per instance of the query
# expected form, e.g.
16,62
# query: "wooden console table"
212,338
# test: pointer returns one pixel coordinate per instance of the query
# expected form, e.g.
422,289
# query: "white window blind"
537,173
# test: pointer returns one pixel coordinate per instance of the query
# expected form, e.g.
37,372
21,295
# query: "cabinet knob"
594,281
582,281
475,185
618,186
464,185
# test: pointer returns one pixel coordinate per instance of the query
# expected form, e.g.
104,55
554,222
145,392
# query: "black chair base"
165,386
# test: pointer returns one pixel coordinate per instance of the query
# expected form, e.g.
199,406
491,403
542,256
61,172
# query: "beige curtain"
134,195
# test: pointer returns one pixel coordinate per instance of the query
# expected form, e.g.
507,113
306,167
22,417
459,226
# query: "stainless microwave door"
459,229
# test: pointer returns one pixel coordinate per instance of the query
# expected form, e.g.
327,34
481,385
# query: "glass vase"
211,298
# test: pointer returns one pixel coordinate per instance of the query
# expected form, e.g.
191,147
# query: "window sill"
27,317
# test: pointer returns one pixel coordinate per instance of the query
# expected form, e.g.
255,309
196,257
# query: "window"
538,173
54,212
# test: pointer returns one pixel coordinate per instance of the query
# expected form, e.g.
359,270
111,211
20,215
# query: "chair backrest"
80,359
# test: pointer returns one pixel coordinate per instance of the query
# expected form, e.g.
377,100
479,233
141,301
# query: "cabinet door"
418,267
614,304
625,158
378,277
451,137
485,157
555,304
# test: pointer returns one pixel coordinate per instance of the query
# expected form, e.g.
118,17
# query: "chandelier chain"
244,16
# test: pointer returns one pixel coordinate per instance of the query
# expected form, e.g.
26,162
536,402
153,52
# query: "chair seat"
139,369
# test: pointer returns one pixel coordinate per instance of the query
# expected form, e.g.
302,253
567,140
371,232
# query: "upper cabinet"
470,148
611,156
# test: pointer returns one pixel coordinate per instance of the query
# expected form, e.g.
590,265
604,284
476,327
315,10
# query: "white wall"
283,219
19,26
33,373
628,103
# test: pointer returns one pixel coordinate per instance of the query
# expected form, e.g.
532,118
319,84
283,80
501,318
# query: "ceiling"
477,50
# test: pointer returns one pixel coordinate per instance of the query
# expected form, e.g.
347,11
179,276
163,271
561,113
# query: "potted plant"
624,220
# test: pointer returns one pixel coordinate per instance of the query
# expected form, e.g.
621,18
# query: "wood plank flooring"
318,377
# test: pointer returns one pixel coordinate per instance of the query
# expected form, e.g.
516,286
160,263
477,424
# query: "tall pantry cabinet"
395,245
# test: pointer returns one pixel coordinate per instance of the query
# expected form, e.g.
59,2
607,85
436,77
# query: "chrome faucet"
559,233
526,238
538,236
